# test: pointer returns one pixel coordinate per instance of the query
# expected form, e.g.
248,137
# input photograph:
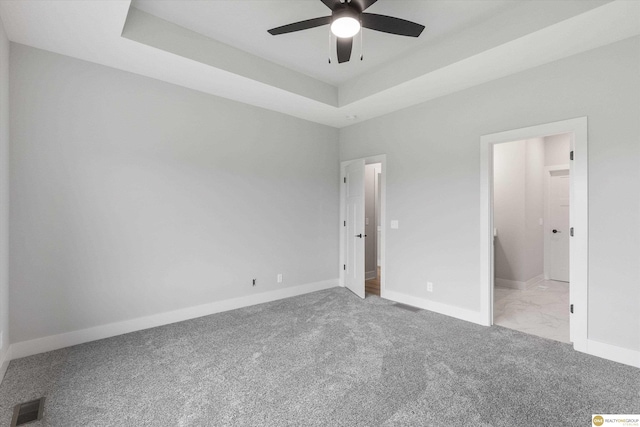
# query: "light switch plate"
395,224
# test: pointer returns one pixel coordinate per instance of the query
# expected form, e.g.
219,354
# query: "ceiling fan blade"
363,4
344,49
391,25
302,25
331,4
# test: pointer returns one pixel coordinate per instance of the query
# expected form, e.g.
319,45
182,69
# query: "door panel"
559,186
354,215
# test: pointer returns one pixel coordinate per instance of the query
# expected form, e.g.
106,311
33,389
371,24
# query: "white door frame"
578,217
547,212
382,158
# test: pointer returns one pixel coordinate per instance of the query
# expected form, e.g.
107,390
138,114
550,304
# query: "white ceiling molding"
92,31
595,28
155,32
527,18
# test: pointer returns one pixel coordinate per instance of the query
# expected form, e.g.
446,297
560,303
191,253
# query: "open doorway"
362,234
372,228
531,207
579,232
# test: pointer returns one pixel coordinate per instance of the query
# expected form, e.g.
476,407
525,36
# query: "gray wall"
132,197
518,207
433,188
4,190
509,161
556,149
534,209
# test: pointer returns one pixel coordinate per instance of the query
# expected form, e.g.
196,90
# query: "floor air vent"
24,413
406,307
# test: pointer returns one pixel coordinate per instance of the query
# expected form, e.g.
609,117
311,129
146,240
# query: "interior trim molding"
579,218
515,284
594,348
437,307
55,342
509,284
612,352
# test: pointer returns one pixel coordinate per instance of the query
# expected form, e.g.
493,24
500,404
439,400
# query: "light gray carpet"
322,359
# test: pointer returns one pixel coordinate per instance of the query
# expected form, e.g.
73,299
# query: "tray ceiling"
244,25
222,47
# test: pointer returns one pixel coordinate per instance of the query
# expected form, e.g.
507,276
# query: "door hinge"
344,266
571,155
571,231
345,223
345,179
571,308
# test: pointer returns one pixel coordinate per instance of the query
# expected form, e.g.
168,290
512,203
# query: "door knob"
360,235
554,231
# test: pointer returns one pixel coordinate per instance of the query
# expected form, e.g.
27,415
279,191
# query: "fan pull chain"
361,44
329,46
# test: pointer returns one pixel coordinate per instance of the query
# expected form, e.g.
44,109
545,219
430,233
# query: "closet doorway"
372,228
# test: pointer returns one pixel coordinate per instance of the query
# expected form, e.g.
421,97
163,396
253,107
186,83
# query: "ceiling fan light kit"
345,23
347,19
345,27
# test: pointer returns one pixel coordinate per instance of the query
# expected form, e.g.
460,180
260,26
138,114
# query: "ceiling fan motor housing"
346,11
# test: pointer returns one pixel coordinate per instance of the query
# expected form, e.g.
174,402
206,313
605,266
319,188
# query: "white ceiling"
244,25
466,43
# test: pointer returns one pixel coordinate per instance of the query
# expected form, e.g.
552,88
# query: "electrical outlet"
279,278
429,286
254,282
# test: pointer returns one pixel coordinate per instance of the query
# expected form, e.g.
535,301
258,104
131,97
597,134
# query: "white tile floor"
541,310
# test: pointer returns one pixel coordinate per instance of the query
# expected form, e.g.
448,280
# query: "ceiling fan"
347,18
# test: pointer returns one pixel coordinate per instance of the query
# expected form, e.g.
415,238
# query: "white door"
354,263
559,225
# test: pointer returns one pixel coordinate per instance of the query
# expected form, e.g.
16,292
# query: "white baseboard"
4,363
438,307
55,342
539,278
514,284
510,284
594,348
370,275
612,352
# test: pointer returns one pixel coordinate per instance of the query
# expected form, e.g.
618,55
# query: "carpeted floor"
322,359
